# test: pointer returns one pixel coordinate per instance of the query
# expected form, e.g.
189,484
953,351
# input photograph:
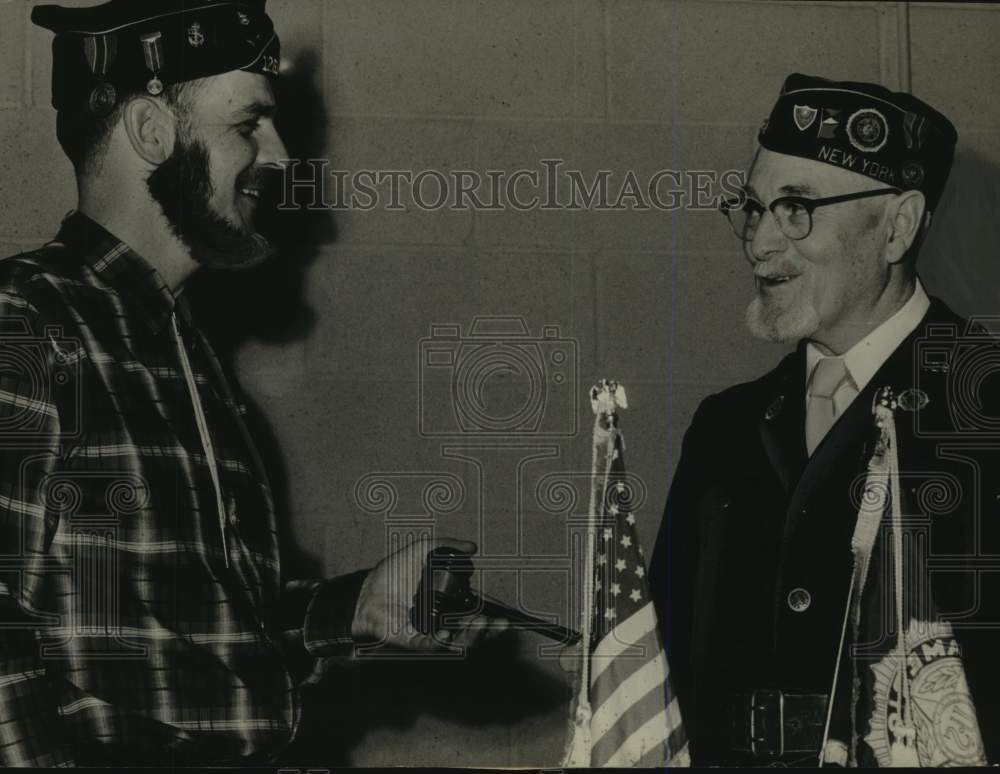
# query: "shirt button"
799,600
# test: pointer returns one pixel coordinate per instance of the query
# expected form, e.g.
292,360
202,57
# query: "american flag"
628,714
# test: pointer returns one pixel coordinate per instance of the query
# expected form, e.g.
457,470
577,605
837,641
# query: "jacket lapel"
782,419
844,452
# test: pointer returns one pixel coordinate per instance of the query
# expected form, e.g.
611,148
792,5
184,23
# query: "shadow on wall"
960,261
492,688
267,302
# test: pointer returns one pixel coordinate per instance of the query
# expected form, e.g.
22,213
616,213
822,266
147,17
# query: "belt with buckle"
772,723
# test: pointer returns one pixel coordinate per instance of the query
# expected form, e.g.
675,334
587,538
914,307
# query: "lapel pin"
775,408
913,400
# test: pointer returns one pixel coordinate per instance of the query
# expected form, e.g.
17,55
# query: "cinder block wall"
654,299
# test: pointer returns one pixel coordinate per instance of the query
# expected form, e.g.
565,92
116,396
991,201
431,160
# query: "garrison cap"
103,52
892,137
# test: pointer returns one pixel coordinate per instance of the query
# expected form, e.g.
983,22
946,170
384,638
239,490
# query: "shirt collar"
139,285
868,355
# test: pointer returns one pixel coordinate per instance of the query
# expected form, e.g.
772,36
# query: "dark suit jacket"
750,517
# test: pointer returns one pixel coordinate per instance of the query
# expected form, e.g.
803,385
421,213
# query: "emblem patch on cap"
196,38
913,174
829,123
867,130
102,99
244,19
804,116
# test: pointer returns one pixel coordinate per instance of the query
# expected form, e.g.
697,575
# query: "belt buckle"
767,723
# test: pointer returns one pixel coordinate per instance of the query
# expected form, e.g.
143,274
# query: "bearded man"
145,617
824,570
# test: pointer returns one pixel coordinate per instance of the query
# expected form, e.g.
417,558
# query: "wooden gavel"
445,593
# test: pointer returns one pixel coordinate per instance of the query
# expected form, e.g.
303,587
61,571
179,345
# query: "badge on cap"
914,130
804,116
913,174
196,38
828,125
244,19
867,130
152,46
101,52
102,100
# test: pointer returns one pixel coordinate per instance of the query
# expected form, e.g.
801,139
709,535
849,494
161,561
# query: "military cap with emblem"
892,137
103,52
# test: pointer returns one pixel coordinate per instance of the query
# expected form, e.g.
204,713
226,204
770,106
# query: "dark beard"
182,186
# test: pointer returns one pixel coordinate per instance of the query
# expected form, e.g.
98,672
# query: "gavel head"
444,590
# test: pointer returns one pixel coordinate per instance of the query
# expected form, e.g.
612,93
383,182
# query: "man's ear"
151,129
906,218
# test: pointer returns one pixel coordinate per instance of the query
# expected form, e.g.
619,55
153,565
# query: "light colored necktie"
831,391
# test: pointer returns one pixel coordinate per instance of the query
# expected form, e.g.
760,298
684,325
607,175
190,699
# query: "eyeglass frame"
809,205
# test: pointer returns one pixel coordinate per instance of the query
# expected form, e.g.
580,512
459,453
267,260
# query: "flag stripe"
653,759
613,724
626,665
681,758
631,630
639,690
653,732
677,744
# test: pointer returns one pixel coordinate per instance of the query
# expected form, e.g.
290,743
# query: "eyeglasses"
793,214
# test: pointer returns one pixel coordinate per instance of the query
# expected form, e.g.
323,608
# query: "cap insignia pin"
775,408
913,174
804,116
103,99
867,130
829,123
196,38
152,45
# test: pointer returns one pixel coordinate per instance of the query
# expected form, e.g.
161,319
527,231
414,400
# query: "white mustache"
767,272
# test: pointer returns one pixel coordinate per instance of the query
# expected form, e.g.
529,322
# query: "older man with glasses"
823,572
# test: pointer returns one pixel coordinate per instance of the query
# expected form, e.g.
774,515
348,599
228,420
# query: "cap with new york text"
892,137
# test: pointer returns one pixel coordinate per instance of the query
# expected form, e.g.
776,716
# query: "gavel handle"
521,620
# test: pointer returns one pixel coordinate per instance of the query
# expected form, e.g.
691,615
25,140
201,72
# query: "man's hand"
383,611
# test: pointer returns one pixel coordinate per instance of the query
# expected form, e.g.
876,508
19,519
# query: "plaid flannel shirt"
125,636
